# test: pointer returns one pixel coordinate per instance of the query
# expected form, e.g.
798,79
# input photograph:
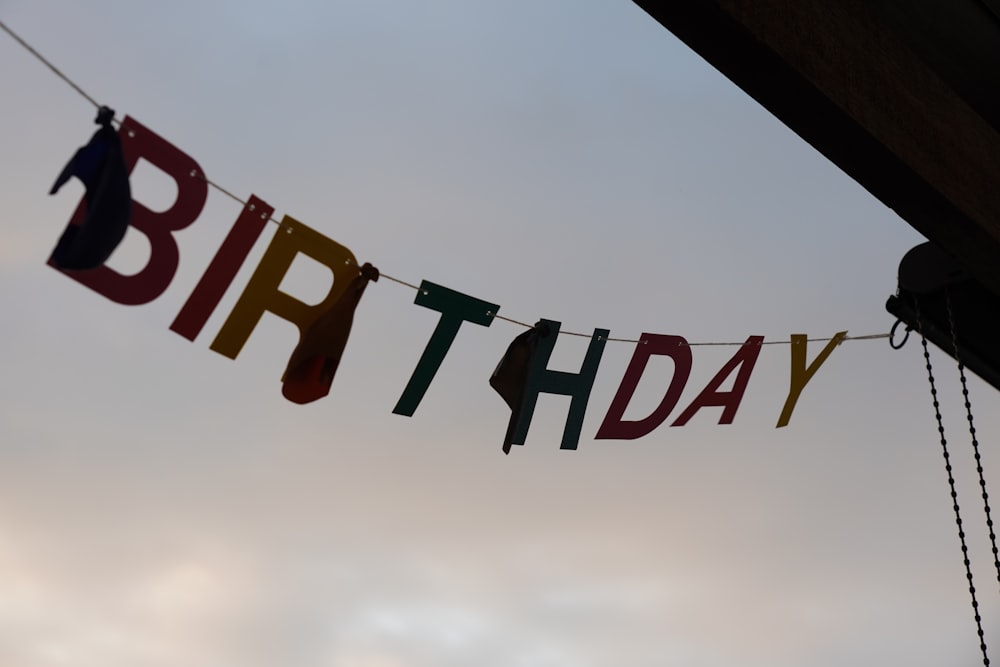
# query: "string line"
695,344
403,282
45,61
48,64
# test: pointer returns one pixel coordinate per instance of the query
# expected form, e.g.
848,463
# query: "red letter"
649,344
192,190
745,358
223,268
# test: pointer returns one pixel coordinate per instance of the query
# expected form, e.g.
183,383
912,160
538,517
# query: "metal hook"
892,336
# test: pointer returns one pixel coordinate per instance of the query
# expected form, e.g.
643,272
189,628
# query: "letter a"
745,358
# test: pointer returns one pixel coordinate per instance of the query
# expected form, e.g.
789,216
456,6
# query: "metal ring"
892,336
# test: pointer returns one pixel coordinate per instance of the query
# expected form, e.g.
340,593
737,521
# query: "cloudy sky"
164,506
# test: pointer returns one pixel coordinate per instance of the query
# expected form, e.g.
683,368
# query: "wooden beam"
861,81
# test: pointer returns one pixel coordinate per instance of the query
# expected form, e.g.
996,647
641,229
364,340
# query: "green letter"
455,308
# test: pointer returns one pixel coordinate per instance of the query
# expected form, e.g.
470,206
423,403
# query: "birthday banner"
107,209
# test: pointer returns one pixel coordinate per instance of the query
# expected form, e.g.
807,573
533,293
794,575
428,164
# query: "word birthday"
106,210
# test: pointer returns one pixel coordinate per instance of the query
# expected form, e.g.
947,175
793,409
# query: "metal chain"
972,433
951,487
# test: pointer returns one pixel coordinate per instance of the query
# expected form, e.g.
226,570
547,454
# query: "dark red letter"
649,344
192,190
223,268
745,358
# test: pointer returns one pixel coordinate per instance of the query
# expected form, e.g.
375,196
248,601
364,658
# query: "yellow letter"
802,374
262,293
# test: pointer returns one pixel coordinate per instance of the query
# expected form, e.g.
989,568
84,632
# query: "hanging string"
951,487
48,64
243,202
972,433
696,344
401,282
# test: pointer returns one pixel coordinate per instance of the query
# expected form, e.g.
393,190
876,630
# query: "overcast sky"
164,506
